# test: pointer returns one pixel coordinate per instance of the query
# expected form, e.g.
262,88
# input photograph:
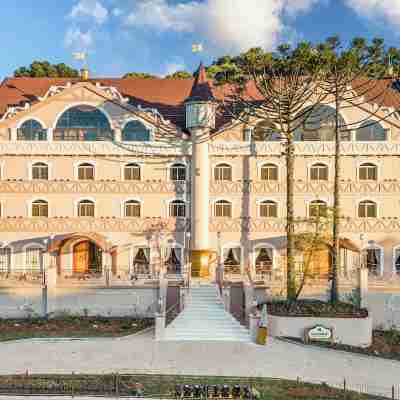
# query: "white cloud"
387,9
232,24
117,12
174,67
90,8
75,38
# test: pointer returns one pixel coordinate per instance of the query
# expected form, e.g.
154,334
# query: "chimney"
84,74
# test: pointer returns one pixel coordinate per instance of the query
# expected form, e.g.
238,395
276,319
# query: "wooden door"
81,257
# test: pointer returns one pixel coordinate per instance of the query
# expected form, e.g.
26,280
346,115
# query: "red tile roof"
168,96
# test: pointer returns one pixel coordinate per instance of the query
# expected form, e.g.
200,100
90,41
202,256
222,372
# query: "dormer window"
135,131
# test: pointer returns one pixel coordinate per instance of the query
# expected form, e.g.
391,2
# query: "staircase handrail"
169,317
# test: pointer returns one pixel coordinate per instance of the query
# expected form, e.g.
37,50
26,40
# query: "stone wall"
107,302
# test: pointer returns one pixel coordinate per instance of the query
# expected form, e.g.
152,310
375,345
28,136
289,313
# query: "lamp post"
187,260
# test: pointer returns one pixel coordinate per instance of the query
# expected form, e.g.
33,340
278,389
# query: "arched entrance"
87,258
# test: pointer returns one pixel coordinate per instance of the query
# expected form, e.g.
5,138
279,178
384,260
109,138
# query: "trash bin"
262,335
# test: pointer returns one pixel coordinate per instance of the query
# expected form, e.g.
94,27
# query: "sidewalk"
144,355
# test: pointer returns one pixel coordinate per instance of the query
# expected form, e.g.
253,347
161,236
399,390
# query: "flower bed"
315,308
11,329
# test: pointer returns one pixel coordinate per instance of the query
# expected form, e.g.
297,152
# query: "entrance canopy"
100,240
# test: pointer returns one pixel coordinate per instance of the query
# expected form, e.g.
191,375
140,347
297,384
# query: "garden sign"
319,333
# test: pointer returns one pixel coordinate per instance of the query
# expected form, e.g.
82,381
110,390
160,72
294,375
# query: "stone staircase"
204,318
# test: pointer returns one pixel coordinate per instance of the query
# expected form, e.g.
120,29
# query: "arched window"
371,131
269,172
5,260
174,260
223,172
132,172
177,172
132,208
319,125
31,130
140,261
396,260
268,209
232,257
318,208
33,259
40,208
177,208
135,131
223,209
368,172
263,132
367,209
83,123
40,170
319,172
264,259
85,171
372,257
86,208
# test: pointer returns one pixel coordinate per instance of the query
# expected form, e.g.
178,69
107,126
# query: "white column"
200,190
13,134
118,135
50,132
363,286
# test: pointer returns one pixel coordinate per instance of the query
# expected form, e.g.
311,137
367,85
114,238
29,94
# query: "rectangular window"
268,210
86,210
223,210
5,259
132,173
132,210
40,172
40,210
33,257
178,173
223,173
86,173
269,173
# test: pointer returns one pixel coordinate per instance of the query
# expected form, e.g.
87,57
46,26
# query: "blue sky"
156,35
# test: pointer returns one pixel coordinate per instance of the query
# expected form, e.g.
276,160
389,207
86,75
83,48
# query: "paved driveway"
142,354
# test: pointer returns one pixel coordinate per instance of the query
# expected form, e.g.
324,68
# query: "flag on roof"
79,56
197,47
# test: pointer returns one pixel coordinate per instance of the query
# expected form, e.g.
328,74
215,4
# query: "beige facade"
225,194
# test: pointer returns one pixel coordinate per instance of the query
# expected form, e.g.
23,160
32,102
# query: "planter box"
350,331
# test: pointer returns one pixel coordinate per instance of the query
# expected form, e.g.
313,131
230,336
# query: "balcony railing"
21,275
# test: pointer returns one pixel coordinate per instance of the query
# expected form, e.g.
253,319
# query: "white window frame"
232,245
216,165
77,164
214,204
147,125
374,246
373,162
263,245
260,201
326,201
372,200
261,165
169,202
395,248
139,163
32,163
76,205
174,163
34,245
7,246
30,206
123,203
313,164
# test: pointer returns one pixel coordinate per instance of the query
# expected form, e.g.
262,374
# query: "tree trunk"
336,205
290,249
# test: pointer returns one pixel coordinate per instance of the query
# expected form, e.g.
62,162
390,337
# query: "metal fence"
173,387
